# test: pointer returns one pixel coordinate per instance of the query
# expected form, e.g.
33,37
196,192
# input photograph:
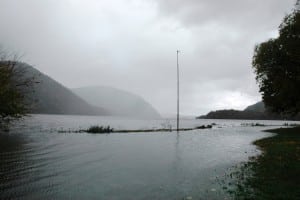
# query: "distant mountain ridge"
50,97
256,111
118,102
257,107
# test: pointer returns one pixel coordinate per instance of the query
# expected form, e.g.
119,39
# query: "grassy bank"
275,174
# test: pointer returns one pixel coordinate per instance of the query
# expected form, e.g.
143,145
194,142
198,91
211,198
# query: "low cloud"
132,45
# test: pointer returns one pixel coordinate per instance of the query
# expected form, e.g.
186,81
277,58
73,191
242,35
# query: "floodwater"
38,162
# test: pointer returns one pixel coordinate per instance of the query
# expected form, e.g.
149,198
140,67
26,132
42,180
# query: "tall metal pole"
177,92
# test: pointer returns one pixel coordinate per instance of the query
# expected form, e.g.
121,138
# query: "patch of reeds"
99,129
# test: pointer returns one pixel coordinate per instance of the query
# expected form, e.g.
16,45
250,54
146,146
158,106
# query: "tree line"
276,63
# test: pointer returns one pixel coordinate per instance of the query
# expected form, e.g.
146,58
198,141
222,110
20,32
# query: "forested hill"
50,97
118,102
252,112
258,107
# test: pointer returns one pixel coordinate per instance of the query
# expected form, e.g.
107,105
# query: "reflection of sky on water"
40,163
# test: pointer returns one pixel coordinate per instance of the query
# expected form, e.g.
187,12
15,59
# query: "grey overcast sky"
131,45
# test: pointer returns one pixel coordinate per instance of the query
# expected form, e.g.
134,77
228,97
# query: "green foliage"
277,67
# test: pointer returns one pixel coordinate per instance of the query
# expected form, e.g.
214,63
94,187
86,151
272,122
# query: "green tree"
277,67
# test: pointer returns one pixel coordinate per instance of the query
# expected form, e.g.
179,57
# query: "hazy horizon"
131,45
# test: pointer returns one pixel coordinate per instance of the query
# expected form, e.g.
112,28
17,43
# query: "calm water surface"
37,162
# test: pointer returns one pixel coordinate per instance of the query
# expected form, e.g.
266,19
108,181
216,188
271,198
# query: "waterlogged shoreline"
150,165
273,174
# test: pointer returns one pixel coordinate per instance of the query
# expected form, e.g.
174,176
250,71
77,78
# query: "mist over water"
40,163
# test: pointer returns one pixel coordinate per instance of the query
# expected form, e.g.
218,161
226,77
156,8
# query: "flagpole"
177,92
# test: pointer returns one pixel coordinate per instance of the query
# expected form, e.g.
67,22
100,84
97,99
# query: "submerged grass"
275,174
99,129
106,129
